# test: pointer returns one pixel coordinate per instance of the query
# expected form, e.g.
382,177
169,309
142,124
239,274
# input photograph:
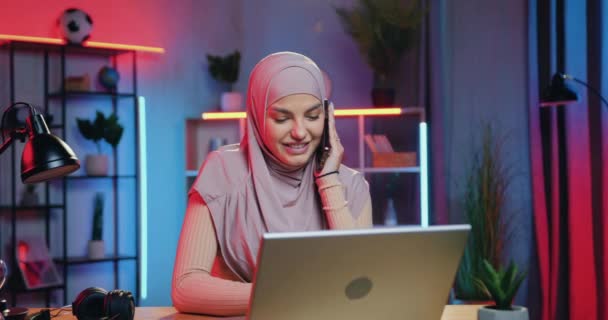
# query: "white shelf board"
389,170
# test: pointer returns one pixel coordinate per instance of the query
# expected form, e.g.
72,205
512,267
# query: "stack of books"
383,154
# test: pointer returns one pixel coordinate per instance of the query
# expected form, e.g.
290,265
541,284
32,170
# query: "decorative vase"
390,216
96,249
231,101
96,165
489,313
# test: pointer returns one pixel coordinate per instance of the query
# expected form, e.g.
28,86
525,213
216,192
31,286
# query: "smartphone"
324,146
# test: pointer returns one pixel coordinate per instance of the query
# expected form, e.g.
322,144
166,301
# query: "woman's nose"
298,131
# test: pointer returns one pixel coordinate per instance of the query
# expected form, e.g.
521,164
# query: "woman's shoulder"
222,171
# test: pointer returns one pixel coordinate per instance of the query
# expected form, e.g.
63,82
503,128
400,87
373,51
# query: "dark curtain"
568,152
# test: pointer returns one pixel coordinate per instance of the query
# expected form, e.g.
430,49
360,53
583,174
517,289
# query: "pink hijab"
245,187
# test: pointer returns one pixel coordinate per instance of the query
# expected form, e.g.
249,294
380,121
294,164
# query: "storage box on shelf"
230,126
62,217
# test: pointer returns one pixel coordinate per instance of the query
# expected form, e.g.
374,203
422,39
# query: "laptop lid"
380,273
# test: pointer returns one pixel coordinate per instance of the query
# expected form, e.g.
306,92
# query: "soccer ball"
75,25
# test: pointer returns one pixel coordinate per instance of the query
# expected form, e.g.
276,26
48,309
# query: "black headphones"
98,304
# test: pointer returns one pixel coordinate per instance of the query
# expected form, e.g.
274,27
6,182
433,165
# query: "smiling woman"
294,126
267,183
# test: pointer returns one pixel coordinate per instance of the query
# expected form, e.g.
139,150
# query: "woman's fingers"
333,135
334,157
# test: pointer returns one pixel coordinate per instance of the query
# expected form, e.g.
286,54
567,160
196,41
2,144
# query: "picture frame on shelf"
35,264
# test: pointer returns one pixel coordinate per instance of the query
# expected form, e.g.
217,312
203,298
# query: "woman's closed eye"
313,115
279,116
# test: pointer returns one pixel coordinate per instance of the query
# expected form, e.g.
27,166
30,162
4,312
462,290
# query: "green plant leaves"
502,285
92,131
108,129
113,131
225,69
485,194
383,30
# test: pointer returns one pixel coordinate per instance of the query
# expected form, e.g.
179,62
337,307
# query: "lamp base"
15,313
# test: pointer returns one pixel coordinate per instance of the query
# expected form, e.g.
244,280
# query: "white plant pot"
232,101
488,313
97,249
96,165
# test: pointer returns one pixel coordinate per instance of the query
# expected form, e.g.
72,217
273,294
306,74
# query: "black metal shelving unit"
63,97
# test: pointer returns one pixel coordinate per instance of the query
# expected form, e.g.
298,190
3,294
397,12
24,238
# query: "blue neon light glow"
424,177
143,199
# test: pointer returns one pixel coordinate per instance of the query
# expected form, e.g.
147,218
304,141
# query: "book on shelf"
384,155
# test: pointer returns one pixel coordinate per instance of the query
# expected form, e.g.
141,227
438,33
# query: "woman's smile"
296,148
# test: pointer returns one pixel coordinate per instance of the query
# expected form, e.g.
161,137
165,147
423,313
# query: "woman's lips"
296,148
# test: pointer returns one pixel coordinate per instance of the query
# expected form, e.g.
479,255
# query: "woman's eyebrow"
316,106
285,111
279,109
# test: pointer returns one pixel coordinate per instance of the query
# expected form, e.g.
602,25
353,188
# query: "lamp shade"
45,156
558,93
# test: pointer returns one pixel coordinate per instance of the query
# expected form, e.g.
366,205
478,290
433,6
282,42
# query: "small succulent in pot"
501,285
96,244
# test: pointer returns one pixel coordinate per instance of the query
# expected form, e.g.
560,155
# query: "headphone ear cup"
89,303
119,305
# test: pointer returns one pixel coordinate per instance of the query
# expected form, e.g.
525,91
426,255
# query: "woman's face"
294,126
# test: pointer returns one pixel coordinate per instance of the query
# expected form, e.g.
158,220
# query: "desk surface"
451,312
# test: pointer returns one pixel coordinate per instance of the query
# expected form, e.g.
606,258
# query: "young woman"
270,182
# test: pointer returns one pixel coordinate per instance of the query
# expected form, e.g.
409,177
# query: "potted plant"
226,70
384,30
96,247
102,128
501,285
485,194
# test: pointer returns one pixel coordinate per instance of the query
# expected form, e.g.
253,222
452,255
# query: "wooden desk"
451,312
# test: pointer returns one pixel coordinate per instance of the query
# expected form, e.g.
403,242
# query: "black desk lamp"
44,157
558,93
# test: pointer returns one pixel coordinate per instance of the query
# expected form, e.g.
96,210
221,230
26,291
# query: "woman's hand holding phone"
332,157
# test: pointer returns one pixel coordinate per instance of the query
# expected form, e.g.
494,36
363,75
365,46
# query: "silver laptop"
381,273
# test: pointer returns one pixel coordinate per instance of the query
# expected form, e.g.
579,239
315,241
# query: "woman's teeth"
296,148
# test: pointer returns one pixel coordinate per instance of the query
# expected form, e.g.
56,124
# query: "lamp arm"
33,112
596,92
6,144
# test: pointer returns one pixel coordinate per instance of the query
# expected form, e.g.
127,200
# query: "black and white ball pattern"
75,25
